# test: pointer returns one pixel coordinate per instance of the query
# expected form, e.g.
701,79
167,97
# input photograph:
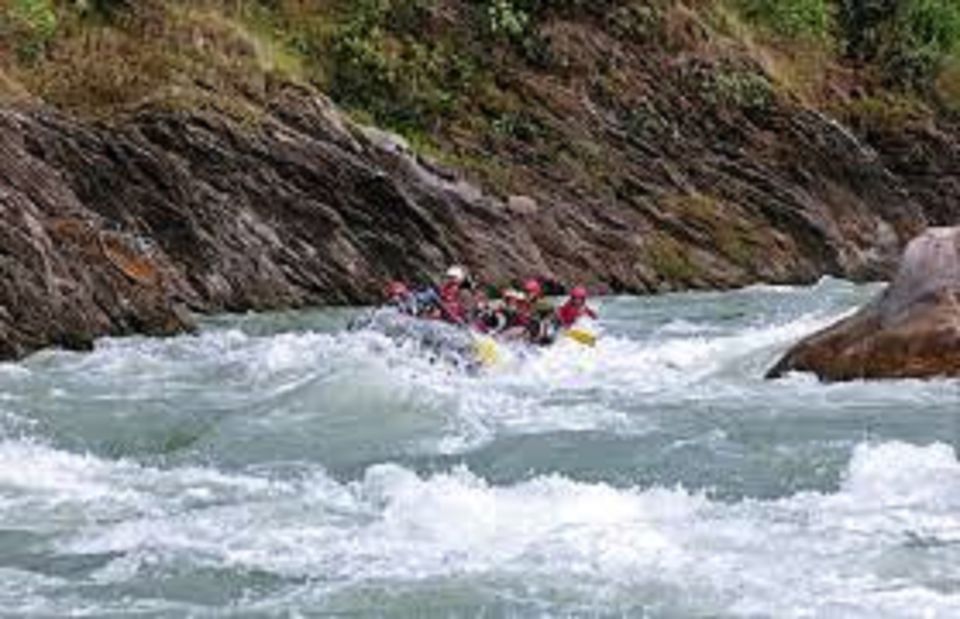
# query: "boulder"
912,330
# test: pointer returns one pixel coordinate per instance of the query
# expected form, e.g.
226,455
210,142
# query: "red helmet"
397,289
532,287
578,292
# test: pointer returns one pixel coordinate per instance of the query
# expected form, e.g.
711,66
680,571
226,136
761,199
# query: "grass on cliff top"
97,63
426,67
406,60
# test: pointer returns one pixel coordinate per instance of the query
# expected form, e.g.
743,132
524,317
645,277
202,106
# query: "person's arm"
589,311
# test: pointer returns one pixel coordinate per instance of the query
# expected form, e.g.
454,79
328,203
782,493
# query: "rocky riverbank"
125,227
159,160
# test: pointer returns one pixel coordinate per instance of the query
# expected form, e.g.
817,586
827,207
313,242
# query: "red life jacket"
523,316
450,299
569,313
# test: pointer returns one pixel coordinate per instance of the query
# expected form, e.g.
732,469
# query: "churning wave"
255,469
885,543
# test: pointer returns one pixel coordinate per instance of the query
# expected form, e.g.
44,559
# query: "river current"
276,465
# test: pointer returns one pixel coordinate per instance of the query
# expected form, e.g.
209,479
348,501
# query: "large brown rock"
911,331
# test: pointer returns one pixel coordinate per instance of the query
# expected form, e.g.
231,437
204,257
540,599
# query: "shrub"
634,21
885,113
794,18
506,19
910,38
105,8
380,65
865,24
669,259
926,32
33,24
740,88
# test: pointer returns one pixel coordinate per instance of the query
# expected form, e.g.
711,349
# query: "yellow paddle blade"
487,351
582,337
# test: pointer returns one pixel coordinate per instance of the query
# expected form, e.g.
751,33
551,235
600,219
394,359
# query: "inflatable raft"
460,347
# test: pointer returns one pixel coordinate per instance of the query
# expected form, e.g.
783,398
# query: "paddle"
487,350
582,337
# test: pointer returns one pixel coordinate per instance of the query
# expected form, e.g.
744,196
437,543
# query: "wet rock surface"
911,331
124,227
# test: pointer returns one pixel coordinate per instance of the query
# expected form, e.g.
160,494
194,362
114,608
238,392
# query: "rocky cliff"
632,164
122,227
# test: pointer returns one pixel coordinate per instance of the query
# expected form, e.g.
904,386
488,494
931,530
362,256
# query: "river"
275,465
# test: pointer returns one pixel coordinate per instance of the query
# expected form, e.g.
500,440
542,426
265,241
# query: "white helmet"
457,272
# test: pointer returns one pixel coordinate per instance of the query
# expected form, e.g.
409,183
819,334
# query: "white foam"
812,553
569,387
884,543
72,488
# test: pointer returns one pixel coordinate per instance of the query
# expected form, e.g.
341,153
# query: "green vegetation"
31,24
425,67
669,258
744,89
729,232
795,18
507,20
105,8
884,113
377,62
911,41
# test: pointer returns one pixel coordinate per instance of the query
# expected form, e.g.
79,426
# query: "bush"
885,113
910,38
33,24
927,31
794,18
106,8
381,65
742,89
506,19
865,25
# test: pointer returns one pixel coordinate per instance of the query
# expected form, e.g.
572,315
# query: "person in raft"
537,314
420,303
575,308
505,318
519,315
457,296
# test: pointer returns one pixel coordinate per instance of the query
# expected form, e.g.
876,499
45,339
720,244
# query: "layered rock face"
121,229
911,331
124,227
66,275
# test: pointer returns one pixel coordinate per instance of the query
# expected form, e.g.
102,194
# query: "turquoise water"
275,465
